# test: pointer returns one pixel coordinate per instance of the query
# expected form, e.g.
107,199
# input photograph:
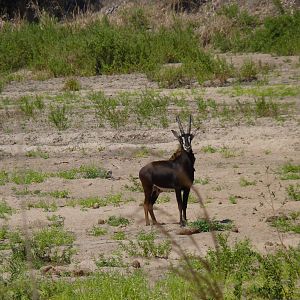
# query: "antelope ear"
192,136
175,134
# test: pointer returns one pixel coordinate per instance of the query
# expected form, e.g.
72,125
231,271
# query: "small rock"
96,205
136,264
82,272
45,269
234,229
101,221
269,243
220,202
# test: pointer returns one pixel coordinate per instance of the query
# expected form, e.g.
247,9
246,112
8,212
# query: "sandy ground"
264,143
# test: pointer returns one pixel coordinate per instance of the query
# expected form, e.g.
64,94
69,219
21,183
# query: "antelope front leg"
185,201
179,202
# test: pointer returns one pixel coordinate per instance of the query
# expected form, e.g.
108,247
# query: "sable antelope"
177,174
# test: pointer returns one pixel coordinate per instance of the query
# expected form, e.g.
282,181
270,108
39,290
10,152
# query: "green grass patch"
119,236
204,225
289,223
72,84
117,221
209,149
4,178
27,176
293,191
113,262
232,199
58,116
46,205
244,182
242,32
135,184
290,172
5,210
163,199
202,181
146,246
89,172
95,202
97,231
37,153
275,91
240,270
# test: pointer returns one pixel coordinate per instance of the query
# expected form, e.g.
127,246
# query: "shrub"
58,116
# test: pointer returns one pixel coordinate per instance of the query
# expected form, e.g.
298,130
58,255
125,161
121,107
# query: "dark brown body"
176,173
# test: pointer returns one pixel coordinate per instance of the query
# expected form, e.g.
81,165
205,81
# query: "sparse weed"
135,185
27,176
232,199
287,223
202,181
58,116
163,199
209,149
293,191
172,77
37,153
204,225
142,152
113,262
89,172
119,236
111,110
94,172
227,152
59,194
244,182
146,246
93,202
248,71
49,206
3,234
290,172
56,220
28,105
5,209
3,177
53,245
117,221
72,84
97,231
150,105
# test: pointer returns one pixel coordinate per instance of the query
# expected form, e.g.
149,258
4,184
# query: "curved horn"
190,125
179,125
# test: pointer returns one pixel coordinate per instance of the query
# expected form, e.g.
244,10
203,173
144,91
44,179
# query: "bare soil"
265,143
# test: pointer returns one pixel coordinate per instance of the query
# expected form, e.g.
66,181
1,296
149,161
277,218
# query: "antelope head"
185,139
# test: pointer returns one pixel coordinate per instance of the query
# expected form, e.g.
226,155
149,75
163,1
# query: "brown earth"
267,142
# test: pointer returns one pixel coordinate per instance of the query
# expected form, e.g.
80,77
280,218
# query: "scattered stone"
96,205
187,231
82,272
45,269
220,202
101,221
136,264
234,229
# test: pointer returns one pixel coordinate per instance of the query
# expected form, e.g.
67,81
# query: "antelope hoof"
182,224
157,223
